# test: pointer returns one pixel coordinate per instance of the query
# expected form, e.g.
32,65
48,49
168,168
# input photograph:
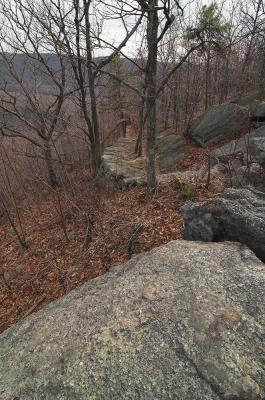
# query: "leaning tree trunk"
152,35
49,164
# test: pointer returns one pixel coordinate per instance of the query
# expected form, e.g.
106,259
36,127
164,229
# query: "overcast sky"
114,32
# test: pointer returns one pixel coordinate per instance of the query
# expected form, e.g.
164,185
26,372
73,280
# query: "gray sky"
114,32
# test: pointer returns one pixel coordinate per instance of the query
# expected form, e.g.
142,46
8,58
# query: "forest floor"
61,256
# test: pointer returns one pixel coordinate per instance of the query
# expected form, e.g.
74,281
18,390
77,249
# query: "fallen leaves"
124,223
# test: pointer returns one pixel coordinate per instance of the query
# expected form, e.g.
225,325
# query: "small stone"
39,253
71,235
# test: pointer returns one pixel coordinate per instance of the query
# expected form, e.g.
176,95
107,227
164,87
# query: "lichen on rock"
183,321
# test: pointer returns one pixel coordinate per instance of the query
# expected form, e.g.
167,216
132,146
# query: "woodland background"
69,89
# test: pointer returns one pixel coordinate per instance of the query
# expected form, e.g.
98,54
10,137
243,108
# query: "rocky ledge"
184,321
124,169
236,215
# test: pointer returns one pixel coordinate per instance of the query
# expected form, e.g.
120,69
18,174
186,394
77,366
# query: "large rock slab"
247,99
170,149
123,169
120,163
218,177
255,106
220,122
257,146
184,321
237,215
120,159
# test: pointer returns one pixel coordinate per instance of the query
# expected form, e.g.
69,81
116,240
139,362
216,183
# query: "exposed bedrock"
184,321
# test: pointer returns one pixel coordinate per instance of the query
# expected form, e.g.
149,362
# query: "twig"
35,305
88,235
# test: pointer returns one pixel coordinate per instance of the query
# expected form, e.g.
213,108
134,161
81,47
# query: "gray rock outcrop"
220,122
184,321
257,146
258,109
252,144
244,158
170,149
237,215
119,160
123,169
247,99
233,148
252,175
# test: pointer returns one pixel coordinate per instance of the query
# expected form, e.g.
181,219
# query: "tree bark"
50,168
139,141
151,77
262,76
207,79
96,132
123,127
91,86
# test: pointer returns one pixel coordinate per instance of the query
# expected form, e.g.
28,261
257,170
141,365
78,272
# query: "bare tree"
153,9
253,21
33,88
80,26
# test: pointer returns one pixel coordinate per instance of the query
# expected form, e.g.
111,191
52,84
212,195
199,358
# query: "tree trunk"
226,77
123,127
139,141
94,113
50,169
207,73
95,158
93,99
152,35
262,76
166,116
244,75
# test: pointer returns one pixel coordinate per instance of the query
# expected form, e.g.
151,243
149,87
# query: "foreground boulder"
184,321
237,215
221,122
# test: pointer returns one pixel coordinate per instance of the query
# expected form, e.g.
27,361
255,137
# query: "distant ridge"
33,71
